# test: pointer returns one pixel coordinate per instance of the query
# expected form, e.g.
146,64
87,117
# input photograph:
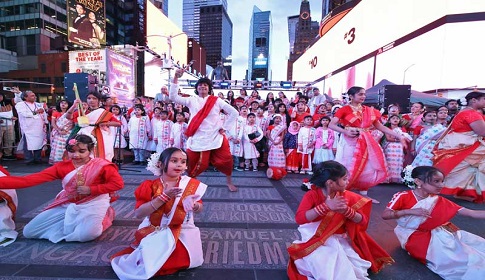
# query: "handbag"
261,144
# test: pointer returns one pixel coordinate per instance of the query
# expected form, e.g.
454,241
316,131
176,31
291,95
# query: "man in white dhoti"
32,120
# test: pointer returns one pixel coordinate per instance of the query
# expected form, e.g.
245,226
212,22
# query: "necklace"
419,196
357,108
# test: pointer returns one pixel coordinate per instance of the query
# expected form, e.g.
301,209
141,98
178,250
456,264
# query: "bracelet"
322,209
350,213
164,198
153,206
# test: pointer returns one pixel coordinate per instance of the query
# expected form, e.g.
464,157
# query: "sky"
240,12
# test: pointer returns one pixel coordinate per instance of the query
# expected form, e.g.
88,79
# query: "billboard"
388,37
121,79
86,23
91,62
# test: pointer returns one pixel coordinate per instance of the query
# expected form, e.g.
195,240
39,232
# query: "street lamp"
167,64
404,73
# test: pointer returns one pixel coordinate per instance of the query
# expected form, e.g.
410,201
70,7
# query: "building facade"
162,5
305,34
259,57
215,34
191,15
36,30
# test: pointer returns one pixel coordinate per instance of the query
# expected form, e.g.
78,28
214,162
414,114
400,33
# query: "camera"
7,88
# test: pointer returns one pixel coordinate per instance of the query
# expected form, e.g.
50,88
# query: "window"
260,42
64,67
42,68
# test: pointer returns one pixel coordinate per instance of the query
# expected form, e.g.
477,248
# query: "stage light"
286,85
258,84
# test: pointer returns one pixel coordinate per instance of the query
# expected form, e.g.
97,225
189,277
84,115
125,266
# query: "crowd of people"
342,146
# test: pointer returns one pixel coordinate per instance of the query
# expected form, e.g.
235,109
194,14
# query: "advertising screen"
86,23
121,80
89,61
425,43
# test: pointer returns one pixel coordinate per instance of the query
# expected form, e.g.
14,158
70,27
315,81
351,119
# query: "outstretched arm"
478,214
20,182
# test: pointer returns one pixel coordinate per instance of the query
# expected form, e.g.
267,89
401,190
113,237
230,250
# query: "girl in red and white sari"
8,208
81,211
333,222
167,240
424,228
357,149
276,134
460,152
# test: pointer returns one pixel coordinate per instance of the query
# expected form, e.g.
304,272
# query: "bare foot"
232,188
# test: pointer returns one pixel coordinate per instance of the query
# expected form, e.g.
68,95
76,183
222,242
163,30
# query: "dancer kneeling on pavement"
81,211
424,228
167,240
334,242
8,208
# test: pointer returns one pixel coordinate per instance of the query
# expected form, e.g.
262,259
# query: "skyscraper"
162,5
260,32
215,33
305,33
191,15
209,24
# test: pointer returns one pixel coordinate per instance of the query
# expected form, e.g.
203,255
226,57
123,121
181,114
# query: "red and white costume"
446,250
167,240
207,144
362,155
332,246
461,157
306,145
73,217
8,208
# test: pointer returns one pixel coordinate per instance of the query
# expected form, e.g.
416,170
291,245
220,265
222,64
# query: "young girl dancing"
167,240
334,242
424,228
81,211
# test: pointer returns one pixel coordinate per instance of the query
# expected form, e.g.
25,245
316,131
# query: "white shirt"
207,136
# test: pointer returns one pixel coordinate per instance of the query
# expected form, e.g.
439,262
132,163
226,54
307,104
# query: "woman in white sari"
167,240
81,211
460,153
425,232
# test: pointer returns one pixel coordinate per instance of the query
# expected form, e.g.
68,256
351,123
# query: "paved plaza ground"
244,234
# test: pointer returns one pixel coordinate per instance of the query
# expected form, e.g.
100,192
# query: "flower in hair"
406,177
72,142
152,164
463,101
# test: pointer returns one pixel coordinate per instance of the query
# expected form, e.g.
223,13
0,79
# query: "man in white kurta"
209,143
32,120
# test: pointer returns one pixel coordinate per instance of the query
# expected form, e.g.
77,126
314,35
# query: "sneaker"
309,173
255,170
302,172
238,169
246,169
136,162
